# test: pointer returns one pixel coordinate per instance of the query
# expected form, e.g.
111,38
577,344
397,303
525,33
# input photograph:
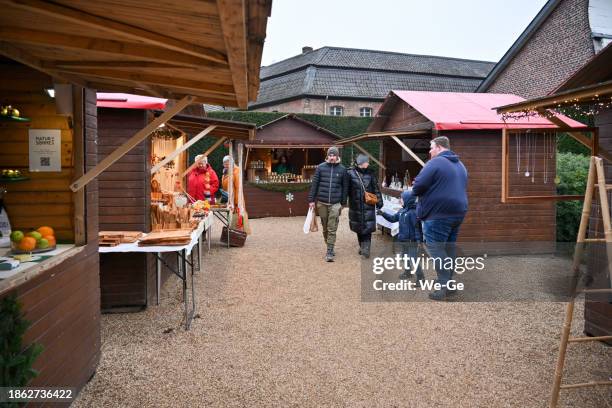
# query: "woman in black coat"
362,217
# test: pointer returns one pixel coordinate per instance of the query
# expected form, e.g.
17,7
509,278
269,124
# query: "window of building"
365,112
336,111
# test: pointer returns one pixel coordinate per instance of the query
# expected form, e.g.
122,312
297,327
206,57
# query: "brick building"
353,82
561,38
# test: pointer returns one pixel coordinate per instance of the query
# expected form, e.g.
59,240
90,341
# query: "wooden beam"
364,151
79,140
576,135
130,144
19,55
167,81
233,26
82,43
181,149
504,164
85,19
410,152
122,65
552,102
206,153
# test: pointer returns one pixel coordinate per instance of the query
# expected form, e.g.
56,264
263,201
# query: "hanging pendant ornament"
528,143
557,180
535,150
527,158
518,153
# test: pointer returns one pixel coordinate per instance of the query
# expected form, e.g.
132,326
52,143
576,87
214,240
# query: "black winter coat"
362,217
329,184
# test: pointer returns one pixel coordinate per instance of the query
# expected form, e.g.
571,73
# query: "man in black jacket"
329,190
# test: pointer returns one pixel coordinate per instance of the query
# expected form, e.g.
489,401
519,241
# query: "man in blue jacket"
442,190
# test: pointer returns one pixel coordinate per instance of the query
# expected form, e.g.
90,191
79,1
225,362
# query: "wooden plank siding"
598,309
27,201
63,302
488,220
127,282
123,203
263,203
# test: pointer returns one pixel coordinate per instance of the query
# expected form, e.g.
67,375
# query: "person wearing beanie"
202,181
328,193
362,216
409,236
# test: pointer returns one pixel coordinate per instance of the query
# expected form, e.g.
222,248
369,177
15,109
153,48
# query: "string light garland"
575,106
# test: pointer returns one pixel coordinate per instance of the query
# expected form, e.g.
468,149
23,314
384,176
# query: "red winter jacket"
201,181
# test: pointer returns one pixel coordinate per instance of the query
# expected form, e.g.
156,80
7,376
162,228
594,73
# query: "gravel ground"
281,327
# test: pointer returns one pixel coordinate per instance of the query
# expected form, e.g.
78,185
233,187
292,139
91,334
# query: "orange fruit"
51,240
27,244
44,230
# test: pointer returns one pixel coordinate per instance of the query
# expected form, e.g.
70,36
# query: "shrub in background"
572,169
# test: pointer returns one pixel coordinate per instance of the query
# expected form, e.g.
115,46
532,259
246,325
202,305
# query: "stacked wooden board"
114,238
176,237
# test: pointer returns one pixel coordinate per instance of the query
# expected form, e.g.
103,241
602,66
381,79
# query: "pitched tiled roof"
346,72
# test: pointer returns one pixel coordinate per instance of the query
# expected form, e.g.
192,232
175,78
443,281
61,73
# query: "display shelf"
13,179
13,119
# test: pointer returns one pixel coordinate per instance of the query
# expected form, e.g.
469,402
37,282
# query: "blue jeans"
410,249
440,237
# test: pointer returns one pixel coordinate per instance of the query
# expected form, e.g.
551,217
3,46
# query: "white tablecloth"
389,206
204,225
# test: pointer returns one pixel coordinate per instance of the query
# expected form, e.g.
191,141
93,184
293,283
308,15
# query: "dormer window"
365,112
336,110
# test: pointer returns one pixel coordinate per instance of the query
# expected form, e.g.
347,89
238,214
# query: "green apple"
16,236
42,244
35,234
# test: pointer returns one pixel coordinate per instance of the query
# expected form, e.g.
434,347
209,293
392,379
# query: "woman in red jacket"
202,182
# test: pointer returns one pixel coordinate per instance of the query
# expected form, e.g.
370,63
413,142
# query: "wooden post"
130,144
206,153
181,149
80,222
504,164
410,152
230,185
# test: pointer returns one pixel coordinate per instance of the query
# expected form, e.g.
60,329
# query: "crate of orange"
40,240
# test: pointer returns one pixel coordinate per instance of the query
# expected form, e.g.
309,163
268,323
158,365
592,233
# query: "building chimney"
306,49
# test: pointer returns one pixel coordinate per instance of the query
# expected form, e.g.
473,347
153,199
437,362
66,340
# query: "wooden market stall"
194,52
407,120
589,91
127,280
272,190
60,295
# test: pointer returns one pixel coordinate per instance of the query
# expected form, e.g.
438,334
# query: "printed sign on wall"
45,150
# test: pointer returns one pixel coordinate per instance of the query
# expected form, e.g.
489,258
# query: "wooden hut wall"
488,219
292,131
598,309
63,302
123,205
127,281
45,199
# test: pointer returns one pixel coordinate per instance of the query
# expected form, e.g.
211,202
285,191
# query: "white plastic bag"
308,221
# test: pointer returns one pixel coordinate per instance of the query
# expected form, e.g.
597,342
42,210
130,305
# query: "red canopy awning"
456,111
129,101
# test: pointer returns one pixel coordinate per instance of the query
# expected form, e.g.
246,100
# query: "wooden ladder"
596,179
